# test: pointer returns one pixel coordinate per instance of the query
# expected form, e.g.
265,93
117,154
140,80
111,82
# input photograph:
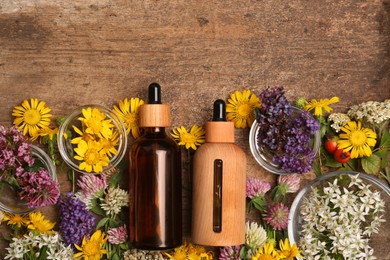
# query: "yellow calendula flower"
356,139
91,155
268,252
192,139
31,116
128,111
320,105
96,122
45,131
39,223
240,108
289,251
190,252
82,136
16,220
92,249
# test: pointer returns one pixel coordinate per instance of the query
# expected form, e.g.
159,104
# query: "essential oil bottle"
219,185
155,180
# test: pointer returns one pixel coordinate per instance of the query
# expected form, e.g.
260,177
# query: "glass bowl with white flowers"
92,139
342,215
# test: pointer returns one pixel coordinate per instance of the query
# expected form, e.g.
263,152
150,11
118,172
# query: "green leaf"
95,207
112,223
317,169
102,222
371,164
385,140
243,252
259,203
383,154
115,257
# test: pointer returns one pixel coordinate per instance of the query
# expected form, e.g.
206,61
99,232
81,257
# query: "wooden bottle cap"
219,132
154,115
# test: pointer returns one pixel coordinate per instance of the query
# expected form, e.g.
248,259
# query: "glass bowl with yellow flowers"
92,139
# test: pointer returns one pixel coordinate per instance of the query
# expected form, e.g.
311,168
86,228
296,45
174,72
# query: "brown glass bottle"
155,187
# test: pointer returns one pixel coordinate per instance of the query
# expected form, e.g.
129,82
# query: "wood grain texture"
232,195
73,53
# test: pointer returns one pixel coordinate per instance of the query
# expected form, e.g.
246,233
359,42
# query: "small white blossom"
340,220
338,120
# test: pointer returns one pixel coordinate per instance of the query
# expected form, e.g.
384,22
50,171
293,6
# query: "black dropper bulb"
219,110
154,93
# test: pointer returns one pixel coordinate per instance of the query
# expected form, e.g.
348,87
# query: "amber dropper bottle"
155,180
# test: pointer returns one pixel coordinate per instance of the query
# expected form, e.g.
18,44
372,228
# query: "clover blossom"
91,186
255,237
117,235
114,200
276,216
255,187
75,220
230,252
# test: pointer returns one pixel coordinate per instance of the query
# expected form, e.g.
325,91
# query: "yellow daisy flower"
128,111
191,252
96,123
109,145
92,249
16,219
45,131
31,116
321,105
91,156
289,251
356,139
39,223
192,139
268,252
240,108
82,136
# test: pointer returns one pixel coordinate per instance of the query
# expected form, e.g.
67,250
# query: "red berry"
331,144
341,156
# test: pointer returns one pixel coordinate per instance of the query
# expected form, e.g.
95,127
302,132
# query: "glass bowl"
66,133
379,242
264,158
9,199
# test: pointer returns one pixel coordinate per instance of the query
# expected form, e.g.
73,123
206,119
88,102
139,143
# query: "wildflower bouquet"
358,140
284,133
339,214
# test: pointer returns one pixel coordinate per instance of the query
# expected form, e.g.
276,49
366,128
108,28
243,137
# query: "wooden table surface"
73,53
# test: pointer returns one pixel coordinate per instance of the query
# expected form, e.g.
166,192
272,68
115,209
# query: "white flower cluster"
338,120
32,243
340,219
114,200
255,237
135,254
373,112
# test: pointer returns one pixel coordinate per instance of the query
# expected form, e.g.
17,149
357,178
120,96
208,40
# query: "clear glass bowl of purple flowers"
283,139
36,185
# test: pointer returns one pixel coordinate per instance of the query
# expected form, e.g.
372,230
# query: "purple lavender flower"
37,188
230,252
75,220
286,137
